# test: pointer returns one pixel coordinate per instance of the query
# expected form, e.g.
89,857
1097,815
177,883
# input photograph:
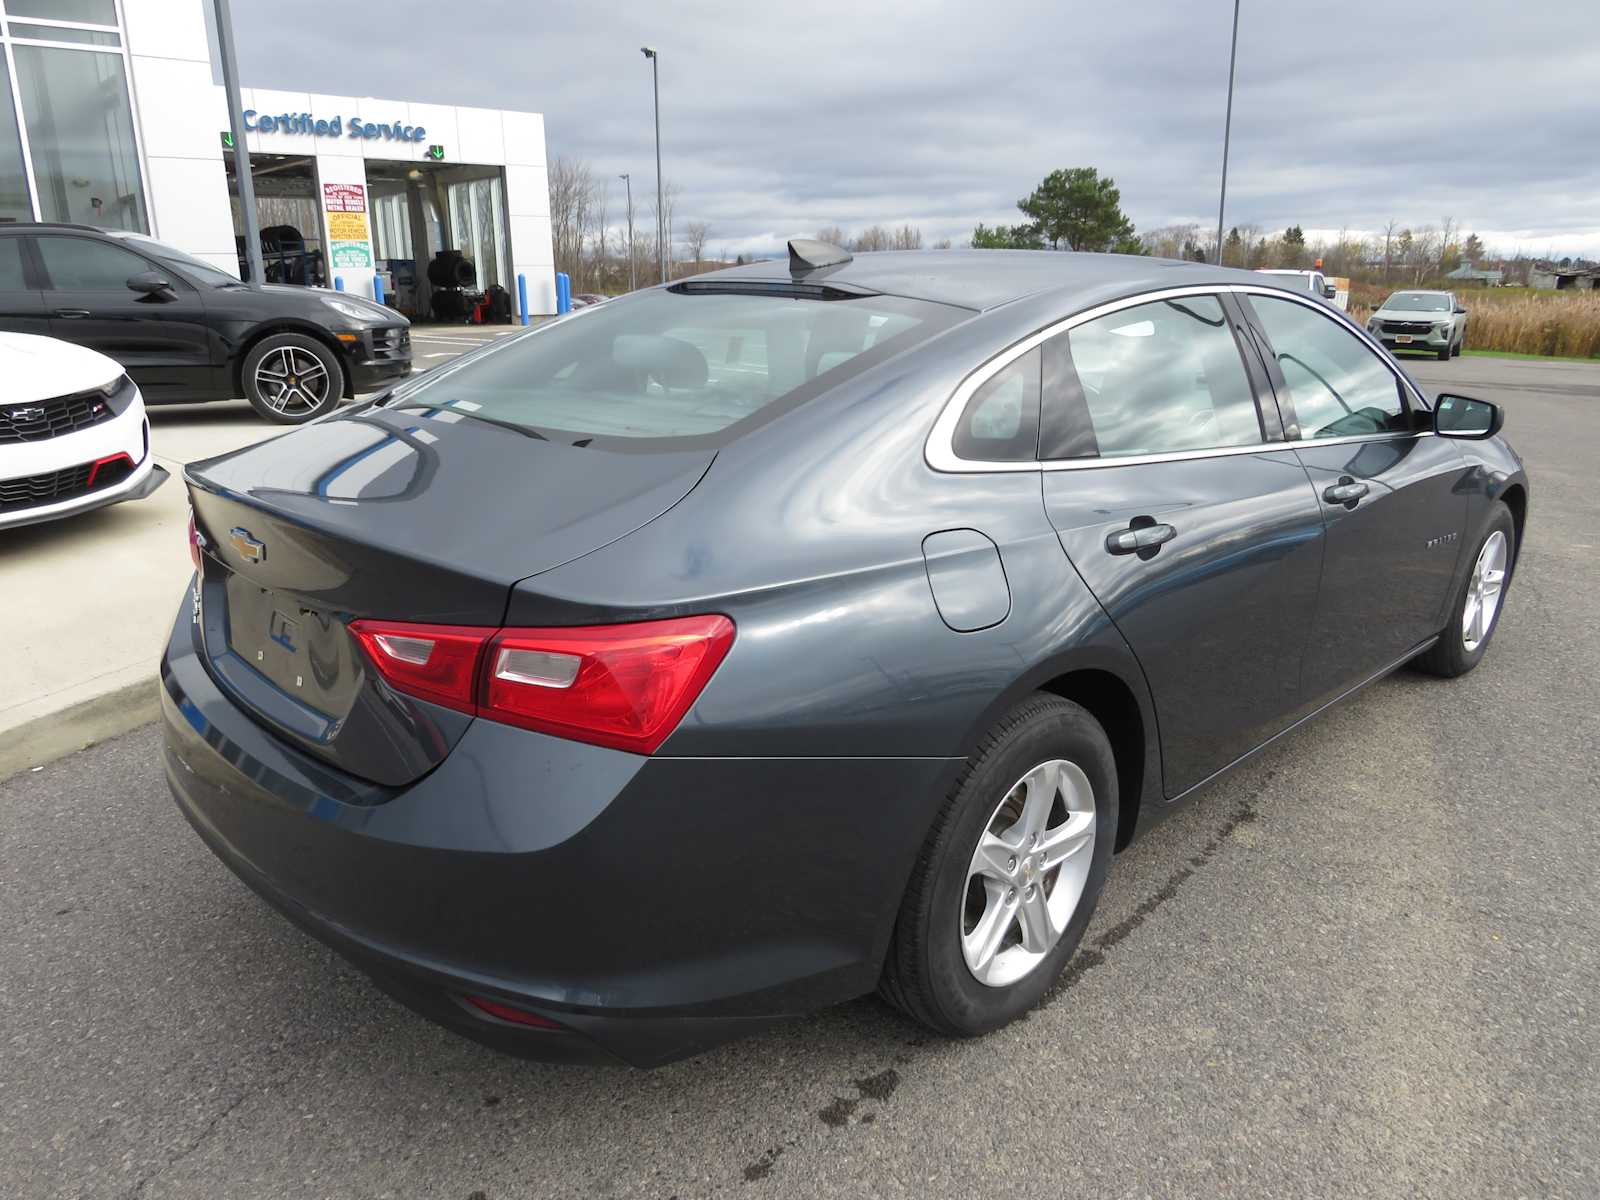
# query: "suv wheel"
1010,873
290,378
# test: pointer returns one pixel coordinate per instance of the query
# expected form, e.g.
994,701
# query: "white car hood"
41,368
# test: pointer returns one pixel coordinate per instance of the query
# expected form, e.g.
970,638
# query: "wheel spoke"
1042,784
994,859
1033,915
984,940
1065,840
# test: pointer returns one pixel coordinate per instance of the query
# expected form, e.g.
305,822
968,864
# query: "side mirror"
1329,291
149,283
1464,417
1460,312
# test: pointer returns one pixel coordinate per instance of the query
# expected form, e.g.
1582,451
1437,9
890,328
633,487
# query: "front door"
21,300
1387,487
1186,515
162,339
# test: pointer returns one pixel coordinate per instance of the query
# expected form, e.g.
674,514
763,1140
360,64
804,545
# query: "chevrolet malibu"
747,644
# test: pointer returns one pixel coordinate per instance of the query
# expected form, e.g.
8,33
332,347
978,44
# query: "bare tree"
942,244
908,237
695,234
833,235
874,237
669,194
571,200
1388,247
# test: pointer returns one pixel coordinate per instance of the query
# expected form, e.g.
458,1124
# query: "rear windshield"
673,369
1418,302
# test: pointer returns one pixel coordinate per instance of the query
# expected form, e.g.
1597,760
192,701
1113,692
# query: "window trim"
939,451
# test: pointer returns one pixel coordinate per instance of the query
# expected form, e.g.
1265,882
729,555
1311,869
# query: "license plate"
1401,339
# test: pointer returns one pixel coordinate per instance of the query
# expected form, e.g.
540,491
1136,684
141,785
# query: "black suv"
188,331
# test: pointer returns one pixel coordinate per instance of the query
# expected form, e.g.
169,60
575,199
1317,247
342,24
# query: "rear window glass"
680,368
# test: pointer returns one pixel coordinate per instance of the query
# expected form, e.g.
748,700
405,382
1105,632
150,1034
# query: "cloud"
780,118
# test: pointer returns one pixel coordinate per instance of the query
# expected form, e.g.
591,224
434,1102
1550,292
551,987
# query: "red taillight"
434,662
505,1012
194,544
624,686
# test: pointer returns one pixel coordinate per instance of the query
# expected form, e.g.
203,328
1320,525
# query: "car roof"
984,279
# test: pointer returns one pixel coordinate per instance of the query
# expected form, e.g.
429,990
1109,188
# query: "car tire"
1460,647
1456,353
927,972
1448,351
291,378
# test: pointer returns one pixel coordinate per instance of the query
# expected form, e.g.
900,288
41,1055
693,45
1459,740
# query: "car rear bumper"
652,908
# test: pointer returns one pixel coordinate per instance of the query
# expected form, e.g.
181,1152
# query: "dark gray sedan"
741,646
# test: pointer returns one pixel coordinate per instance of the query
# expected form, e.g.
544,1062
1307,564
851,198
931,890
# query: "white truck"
1319,285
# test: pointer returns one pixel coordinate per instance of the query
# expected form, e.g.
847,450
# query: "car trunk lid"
412,514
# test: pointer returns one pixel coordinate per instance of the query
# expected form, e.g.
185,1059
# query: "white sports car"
73,434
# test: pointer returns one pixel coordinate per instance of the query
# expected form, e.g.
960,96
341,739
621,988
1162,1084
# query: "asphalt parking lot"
1365,964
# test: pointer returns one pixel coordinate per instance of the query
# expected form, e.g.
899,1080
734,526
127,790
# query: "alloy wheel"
1027,873
1483,592
292,381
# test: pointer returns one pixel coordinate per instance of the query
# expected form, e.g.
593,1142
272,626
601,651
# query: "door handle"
1136,539
1347,492
72,313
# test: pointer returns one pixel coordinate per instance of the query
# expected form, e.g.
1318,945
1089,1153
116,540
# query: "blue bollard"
522,297
377,288
338,283
563,292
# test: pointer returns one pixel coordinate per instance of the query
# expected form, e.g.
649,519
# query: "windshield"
198,269
1418,302
681,367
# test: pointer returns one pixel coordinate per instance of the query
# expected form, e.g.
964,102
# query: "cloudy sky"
779,118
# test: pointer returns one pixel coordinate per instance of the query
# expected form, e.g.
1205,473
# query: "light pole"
661,215
241,155
1227,130
633,284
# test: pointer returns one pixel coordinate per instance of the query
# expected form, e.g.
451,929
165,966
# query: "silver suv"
1421,320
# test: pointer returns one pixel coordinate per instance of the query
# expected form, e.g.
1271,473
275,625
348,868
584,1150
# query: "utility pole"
241,155
1227,130
661,212
633,283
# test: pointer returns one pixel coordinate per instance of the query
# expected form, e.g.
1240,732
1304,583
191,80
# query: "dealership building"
112,114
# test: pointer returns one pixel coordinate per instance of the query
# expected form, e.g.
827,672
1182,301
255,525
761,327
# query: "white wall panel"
190,198
167,29
481,139
178,118
524,137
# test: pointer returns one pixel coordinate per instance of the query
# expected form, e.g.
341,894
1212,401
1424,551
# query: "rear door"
162,340
1174,495
1386,486
21,300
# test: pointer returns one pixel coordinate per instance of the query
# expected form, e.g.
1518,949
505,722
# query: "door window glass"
11,279
1338,387
14,204
80,133
81,265
1001,420
1158,378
